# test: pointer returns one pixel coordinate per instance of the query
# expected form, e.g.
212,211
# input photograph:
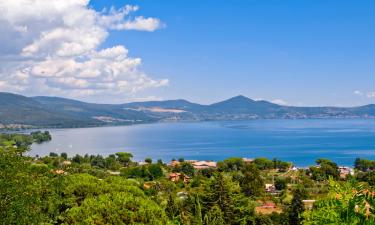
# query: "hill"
42,111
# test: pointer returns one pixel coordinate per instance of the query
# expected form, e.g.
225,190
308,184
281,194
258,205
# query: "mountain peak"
240,97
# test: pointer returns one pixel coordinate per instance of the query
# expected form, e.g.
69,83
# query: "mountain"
18,109
103,112
41,111
243,105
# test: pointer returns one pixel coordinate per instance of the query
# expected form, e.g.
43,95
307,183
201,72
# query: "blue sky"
302,52
310,52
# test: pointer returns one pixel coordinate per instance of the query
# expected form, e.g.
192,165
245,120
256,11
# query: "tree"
296,207
265,164
346,203
64,155
27,192
155,171
263,220
214,216
111,163
187,169
198,211
77,159
368,177
326,168
98,161
220,193
251,183
148,160
124,158
117,208
280,183
231,164
53,154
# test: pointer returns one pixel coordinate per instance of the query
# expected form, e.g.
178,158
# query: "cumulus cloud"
54,47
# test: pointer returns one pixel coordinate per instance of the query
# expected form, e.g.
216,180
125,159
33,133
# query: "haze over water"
297,141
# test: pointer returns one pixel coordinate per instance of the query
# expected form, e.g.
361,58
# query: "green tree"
296,207
252,183
187,169
198,211
265,164
346,203
325,169
124,158
280,183
220,193
148,160
117,208
231,164
214,216
155,171
28,193
64,155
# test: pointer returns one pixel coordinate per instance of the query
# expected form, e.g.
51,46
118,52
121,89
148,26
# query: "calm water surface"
298,141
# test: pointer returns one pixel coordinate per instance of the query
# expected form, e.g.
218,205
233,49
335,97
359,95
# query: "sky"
292,52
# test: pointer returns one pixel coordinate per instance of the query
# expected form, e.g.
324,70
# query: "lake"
297,141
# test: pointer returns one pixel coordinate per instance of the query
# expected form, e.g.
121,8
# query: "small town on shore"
80,188
270,188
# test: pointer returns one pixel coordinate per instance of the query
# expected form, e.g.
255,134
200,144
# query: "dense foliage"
94,189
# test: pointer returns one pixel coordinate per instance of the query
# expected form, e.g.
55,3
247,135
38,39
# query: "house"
267,208
174,163
308,203
66,162
116,173
345,171
59,172
270,188
175,177
247,160
146,186
268,205
204,164
142,163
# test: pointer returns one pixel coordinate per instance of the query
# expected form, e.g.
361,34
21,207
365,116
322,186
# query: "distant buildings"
204,165
345,171
270,188
308,203
59,172
247,160
196,164
175,177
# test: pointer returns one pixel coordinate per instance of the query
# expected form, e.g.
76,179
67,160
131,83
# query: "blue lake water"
297,141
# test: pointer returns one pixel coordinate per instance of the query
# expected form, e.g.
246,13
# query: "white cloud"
279,102
139,23
53,48
357,92
369,94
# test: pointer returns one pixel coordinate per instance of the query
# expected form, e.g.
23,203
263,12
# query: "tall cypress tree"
198,211
296,207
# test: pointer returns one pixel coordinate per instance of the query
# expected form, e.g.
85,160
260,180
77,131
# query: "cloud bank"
52,47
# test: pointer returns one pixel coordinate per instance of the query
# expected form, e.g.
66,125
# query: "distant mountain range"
17,111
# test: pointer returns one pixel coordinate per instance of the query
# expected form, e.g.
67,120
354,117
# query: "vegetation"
93,189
